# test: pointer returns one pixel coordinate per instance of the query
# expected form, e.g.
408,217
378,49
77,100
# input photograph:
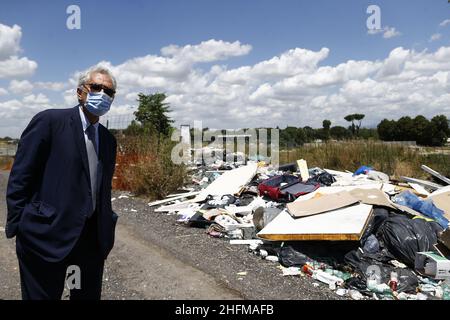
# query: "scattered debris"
357,233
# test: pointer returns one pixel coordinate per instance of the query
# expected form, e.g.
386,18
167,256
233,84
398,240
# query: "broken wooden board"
420,190
186,195
435,174
339,225
429,184
230,182
177,206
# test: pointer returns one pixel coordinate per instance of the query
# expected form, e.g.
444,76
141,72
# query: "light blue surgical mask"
98,103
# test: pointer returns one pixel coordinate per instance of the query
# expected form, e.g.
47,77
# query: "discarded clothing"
285,187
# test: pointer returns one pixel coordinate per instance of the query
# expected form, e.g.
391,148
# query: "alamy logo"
74,19
374,20
73,279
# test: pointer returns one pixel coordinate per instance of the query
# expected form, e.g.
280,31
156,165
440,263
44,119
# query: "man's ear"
80,93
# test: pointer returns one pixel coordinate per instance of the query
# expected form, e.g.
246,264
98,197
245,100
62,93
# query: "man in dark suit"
59,195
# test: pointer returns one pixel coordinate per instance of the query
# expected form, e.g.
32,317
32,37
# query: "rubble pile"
362,234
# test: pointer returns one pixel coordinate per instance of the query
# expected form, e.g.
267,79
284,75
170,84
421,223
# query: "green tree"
422,130
340,133
439,130
152,114
406,130
358,117
387,130
351,118
326,124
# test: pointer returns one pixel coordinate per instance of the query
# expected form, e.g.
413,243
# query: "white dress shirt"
85,123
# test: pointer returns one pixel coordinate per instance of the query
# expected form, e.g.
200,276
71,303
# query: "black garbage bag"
404,237
198,221
289,257
376,220
331,253
325,179
361,261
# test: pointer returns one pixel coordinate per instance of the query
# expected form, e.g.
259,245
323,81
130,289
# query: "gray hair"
84,77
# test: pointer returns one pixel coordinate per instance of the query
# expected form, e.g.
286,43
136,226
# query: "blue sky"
118,31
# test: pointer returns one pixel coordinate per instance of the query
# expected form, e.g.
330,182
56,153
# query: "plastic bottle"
373,279
327,278
308,269
446,290
393,283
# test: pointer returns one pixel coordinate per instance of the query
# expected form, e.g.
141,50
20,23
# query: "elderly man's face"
95,79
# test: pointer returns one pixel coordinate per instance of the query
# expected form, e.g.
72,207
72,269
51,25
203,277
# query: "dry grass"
147,170
394,160
6,162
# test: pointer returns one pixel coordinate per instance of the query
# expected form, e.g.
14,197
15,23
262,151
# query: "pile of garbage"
362,234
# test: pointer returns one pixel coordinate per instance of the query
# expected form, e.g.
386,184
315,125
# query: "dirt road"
136,269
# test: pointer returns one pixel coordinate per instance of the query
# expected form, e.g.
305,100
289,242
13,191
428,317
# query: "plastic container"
393,282
446,290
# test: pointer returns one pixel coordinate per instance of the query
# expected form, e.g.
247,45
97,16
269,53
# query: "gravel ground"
216,257
157,258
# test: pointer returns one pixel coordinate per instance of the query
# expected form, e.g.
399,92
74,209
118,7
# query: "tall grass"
6,162
394,160
145,168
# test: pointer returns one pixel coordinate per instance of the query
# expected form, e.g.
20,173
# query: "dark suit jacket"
49,190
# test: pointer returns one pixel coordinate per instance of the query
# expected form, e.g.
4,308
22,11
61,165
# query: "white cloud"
3,92
297,87
17,67
52,86
435,36
206,51
70,98
11,65
36,99
20,87
445,23
388,32
9,40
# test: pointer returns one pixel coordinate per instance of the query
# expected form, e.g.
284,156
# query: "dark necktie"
91,148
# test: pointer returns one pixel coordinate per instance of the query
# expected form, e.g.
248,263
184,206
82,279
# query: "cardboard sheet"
372,196
442,201
321,204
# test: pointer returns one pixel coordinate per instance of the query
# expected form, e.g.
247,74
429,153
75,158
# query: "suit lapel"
79,140
103,156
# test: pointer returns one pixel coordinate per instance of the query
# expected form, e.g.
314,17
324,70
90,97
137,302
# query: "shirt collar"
85,121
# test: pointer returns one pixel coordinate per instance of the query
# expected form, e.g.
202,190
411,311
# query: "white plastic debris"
355,295
341,292
272,258
327,278
292,271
